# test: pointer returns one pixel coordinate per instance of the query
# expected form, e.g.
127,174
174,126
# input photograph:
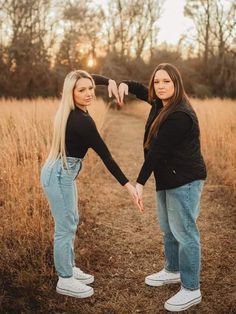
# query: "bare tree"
133,26
200,12
216,34
26,50
224,29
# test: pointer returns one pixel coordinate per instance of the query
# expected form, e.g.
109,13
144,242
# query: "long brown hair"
178,96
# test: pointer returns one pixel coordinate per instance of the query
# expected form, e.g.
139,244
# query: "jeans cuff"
190,288
175,270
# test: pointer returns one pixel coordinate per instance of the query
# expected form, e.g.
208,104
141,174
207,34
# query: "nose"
160,85
89,93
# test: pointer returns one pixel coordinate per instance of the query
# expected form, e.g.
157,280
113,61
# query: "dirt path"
120,246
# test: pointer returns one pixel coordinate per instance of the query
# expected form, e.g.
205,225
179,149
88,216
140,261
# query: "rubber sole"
75,294
182,307
158,283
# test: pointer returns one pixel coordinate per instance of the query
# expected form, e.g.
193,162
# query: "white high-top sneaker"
183,299
74,288
161,278
81,276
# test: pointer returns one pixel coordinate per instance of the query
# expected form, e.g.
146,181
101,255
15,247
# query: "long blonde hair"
58,147
178,97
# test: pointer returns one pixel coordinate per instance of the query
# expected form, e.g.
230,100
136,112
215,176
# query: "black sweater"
174,154
82,134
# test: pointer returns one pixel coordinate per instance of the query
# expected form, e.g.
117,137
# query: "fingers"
109,92
113,90
141,206
138,202
121,95
115,93
136,196
123,90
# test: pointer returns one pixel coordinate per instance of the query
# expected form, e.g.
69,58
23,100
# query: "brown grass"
115,243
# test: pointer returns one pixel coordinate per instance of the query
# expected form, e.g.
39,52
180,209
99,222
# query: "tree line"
42,40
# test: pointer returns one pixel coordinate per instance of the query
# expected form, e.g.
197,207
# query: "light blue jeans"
59,186
178,210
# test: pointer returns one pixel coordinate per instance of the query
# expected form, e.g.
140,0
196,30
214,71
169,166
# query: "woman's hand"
132,191
113,90
123,90
139,190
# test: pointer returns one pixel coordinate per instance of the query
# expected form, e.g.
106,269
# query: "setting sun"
91,62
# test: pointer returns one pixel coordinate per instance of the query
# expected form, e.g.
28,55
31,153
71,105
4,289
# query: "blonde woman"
74,133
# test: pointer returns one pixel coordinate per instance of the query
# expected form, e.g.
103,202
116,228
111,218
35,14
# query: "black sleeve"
100,80
138,89
93,139
170,134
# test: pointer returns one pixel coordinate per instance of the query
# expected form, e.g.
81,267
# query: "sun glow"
91,62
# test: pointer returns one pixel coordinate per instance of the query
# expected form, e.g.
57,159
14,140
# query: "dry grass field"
114,242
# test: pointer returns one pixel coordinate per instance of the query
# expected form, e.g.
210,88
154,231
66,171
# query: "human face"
83,93
163,86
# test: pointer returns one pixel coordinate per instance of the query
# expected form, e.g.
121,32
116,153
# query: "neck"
84,108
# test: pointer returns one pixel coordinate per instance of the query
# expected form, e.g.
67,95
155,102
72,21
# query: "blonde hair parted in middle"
58,147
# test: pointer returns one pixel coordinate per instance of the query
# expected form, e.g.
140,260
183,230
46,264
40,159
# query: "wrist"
127,185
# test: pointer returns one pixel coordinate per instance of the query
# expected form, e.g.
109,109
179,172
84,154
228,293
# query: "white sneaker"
74,288
161,278
82,277
183,300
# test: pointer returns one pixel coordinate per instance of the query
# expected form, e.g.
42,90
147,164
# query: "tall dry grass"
26,228
217,119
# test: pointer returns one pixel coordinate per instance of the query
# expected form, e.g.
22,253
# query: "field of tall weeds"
26,227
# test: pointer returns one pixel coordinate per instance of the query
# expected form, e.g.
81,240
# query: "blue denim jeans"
178,210
59,186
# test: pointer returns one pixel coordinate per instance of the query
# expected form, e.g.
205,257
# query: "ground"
120,246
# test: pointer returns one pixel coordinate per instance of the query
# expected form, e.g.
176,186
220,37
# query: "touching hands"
119,92
134,194
139,190
113,90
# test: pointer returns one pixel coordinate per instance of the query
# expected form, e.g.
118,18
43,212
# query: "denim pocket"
45,176
67,176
